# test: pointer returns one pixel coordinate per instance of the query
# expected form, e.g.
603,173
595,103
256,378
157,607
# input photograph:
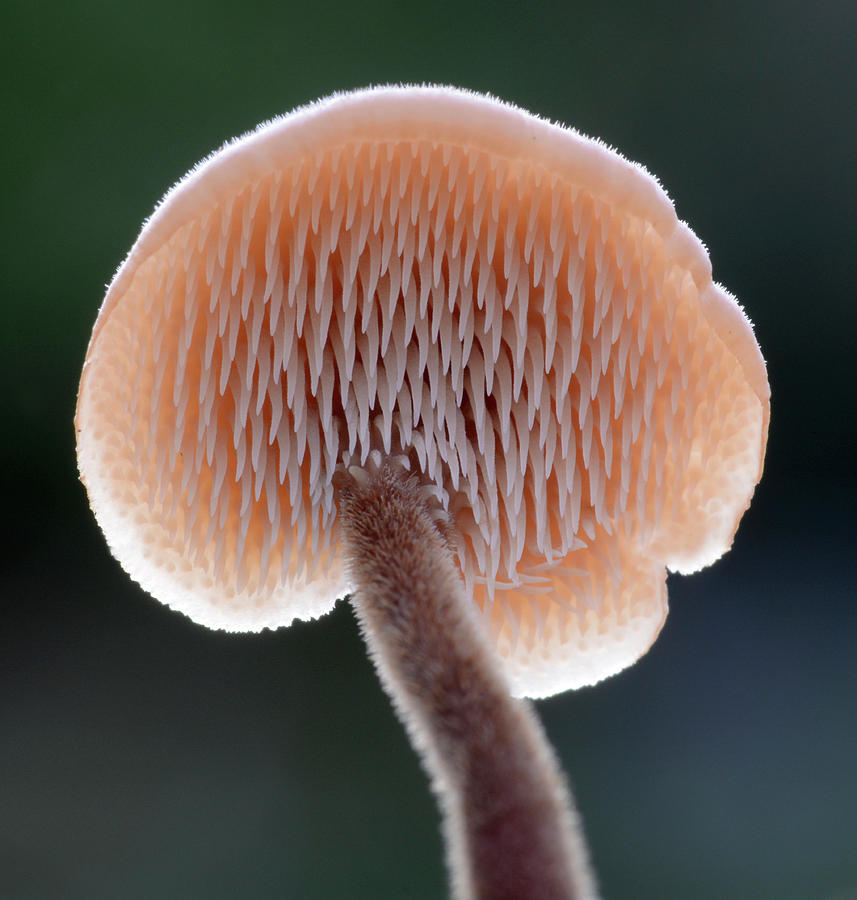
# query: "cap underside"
510,308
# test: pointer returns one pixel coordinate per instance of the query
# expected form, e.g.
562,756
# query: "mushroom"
418,346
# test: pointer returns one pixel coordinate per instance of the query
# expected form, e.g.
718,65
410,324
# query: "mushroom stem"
509,824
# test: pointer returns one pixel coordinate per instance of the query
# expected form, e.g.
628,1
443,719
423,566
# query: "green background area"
142,756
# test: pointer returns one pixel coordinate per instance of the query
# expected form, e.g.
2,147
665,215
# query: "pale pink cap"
512,309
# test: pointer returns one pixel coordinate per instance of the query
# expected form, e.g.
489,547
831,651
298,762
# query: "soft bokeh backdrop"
142,756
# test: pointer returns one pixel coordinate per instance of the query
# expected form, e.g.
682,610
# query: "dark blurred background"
142,756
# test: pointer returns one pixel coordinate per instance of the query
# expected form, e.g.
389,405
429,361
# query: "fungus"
422,306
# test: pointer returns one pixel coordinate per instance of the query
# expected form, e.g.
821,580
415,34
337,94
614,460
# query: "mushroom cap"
512,309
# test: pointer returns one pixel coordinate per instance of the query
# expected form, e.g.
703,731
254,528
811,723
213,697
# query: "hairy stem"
510,830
